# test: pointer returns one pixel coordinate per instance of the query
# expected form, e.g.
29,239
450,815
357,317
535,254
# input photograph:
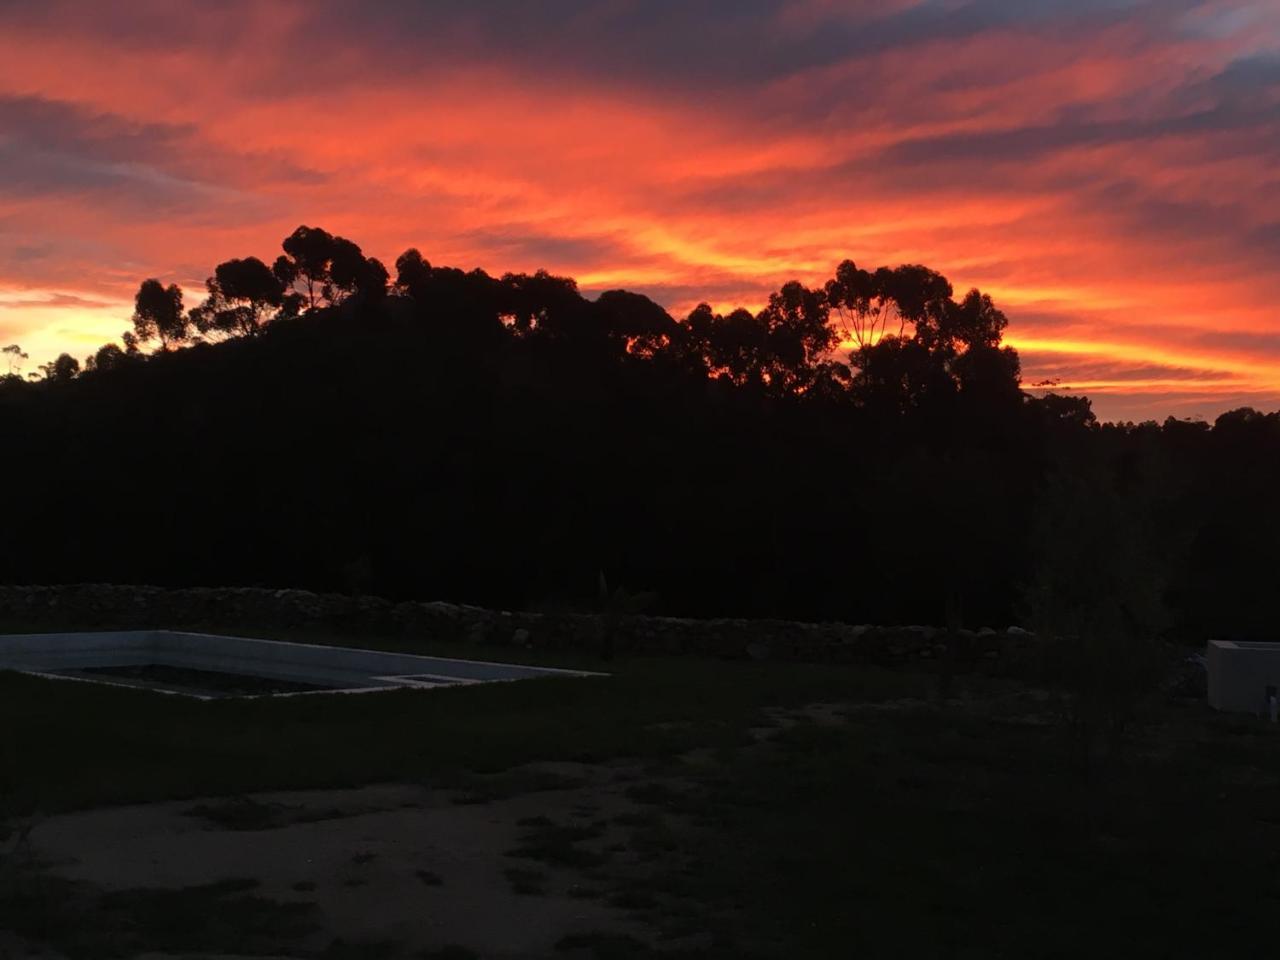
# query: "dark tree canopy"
243,297
62,369
324,269
14,357
108,357
158,314
308,255
637,324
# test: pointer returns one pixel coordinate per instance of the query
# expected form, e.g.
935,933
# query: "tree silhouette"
308,252
798,337
413,275
62,369
371,281
853,296
107,357
158,314
15,357
328,268
350,273
544,303
942,349
973,322
243,297
918,296
734,347
636,324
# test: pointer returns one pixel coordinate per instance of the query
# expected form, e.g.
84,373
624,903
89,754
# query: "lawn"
69,745
884,824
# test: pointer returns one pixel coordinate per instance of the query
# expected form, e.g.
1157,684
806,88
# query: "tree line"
905,329
858,450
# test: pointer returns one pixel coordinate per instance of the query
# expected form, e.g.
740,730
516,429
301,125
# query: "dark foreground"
678,808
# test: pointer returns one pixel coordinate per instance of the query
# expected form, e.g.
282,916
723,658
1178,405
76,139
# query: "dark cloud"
1025,144
691,45
1255,344
54,301
1039,366
66,128
530,246
706,42
31,252
53,148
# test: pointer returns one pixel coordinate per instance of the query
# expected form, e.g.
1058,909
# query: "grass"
963,833
223,917
66,746
958,831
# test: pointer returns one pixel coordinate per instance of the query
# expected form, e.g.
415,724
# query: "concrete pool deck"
330,669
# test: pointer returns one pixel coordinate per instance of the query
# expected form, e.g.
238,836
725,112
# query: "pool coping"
337,669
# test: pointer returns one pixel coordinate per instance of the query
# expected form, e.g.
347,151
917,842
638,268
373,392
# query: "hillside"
510,443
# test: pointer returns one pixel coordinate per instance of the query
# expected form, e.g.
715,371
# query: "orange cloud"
1107,174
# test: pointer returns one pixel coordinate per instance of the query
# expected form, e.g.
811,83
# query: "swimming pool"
210,666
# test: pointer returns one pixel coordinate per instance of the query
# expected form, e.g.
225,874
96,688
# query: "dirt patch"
400,867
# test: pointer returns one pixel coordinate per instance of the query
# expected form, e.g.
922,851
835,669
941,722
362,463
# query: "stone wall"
103,606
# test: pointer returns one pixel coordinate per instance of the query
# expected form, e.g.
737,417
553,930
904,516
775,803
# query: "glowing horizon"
1103,168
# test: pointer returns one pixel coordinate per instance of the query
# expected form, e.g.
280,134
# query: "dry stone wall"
101,606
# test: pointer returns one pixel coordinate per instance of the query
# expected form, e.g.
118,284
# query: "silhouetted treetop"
158,314
911,344
14,357
413,275
62,369
326,269
108,357
243,296
642,327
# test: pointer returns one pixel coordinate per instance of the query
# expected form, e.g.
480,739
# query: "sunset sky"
1109,170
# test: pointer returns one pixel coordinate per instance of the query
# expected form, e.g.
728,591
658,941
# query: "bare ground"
407,868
